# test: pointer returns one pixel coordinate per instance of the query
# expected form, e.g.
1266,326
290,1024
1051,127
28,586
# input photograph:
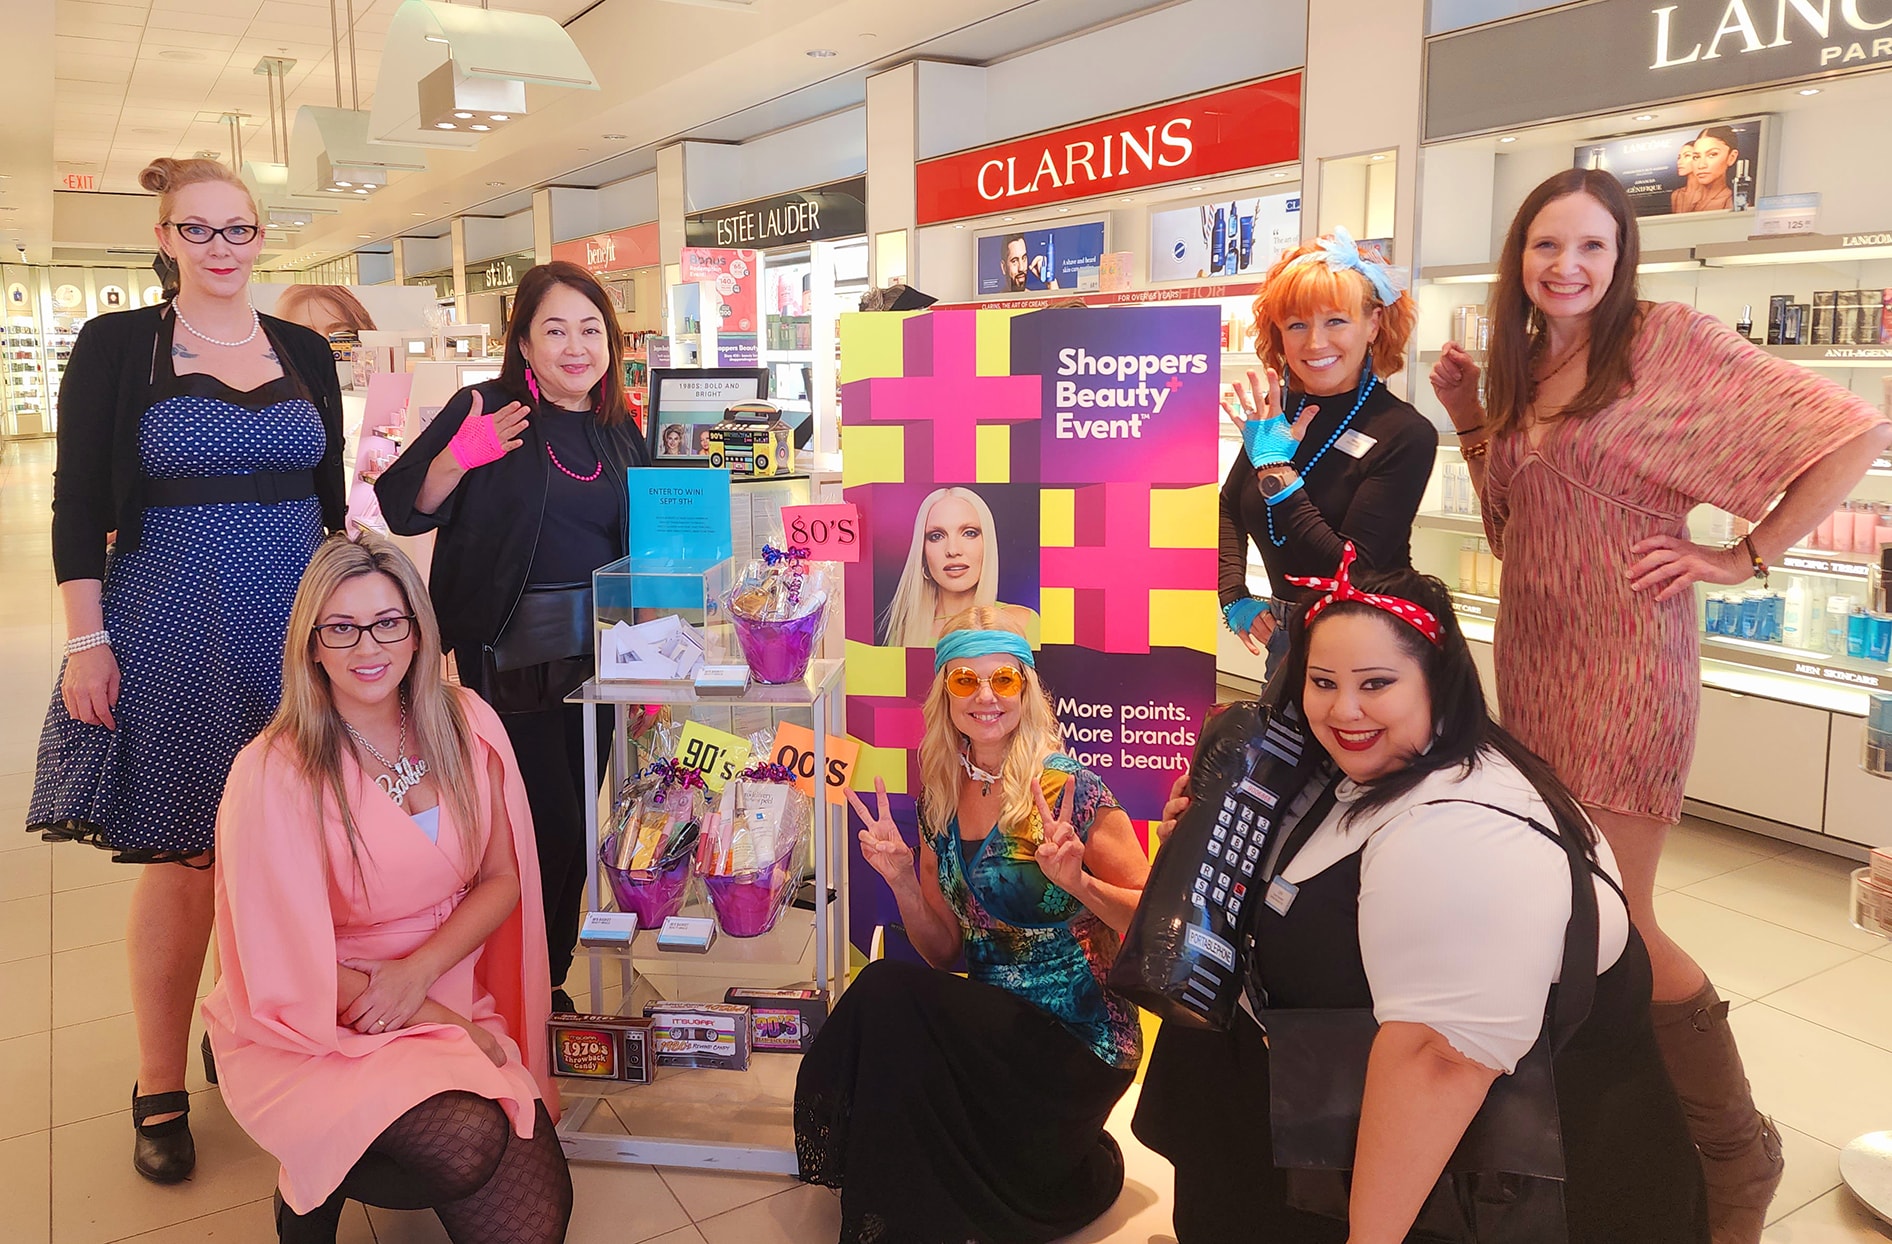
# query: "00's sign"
1250,126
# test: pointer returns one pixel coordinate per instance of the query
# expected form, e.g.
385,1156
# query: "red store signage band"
1229,131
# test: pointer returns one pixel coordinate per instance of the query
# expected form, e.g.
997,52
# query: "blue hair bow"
1342,252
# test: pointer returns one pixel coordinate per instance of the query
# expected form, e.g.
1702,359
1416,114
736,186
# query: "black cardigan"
489,524
99,484
1369,500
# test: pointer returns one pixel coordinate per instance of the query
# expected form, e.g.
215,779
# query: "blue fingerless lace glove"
1269,440
1241,614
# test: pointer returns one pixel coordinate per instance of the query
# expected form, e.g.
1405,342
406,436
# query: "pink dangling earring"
532,386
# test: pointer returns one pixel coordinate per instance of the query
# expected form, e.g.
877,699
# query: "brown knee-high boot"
1740,1150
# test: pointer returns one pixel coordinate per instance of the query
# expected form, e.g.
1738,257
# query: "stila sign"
1250,126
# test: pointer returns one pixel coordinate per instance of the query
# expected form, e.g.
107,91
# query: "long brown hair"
607,396
308,724
1038,737
1517,328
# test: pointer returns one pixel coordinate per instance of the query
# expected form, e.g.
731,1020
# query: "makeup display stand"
1865,1166
721,1120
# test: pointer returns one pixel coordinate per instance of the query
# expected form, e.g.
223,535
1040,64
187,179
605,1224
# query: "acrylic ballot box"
653,615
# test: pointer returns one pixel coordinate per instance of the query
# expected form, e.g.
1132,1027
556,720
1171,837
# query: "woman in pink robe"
379,1025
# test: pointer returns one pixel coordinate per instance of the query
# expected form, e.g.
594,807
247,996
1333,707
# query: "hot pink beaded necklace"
583,479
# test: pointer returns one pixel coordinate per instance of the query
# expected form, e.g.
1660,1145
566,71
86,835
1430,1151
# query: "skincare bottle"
1822,537
1467,565
1838,608
1793,620
1482,584
1248,235
1858,631
1713,613
1879,637
1218,245
1745,325
1813,633
1743,183
1752,607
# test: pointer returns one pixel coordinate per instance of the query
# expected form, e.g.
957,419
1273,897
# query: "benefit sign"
1057,464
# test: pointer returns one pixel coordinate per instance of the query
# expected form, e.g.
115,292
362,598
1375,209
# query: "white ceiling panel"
229,10
208,23
66,12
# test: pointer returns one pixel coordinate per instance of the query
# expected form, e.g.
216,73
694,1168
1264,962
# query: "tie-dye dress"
1602,681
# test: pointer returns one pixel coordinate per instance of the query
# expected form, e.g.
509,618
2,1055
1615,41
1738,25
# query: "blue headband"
959,645
1341,252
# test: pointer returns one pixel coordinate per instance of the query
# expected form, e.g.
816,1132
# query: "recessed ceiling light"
1064,209
1010,219
1279,176
495,183
366,237
615,137
417,213
499,116
434,39
464,116
821,53
346,185
1509,138
959,226
1809,90
335,190
1128,198
445,125
361,189
180,54
484,129
1379,157
1643,116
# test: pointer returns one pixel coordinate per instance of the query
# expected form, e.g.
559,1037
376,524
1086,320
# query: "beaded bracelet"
97,639
1476,450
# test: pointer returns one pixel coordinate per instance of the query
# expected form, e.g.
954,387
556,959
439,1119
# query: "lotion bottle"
1793,626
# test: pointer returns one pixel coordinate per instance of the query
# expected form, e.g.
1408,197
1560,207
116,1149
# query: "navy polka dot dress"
197,613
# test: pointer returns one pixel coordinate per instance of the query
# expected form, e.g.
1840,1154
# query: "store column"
542,234
458,236
914,111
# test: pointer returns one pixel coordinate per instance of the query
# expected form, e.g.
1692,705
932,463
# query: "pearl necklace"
401,777
1366,391
256,324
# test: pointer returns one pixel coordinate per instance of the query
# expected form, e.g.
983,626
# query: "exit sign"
78,181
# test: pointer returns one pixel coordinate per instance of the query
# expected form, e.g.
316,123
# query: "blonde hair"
1038,737
311,729
909,621
295,300
164,177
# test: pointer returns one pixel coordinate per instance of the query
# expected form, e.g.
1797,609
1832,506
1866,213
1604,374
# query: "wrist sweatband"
1285,493
1240,614
476,443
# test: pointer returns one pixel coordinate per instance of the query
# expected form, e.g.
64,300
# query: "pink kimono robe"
311,1092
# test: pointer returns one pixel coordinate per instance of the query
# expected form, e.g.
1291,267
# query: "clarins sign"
1609,55
1249,126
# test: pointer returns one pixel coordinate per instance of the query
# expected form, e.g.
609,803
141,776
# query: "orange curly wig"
1294,291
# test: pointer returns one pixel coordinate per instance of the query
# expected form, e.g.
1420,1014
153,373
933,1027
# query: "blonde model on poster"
952,565
328,309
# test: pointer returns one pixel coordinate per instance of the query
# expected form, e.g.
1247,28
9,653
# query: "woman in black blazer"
209,438
524,480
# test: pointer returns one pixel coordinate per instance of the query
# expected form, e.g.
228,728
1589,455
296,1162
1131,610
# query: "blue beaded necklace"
1367,384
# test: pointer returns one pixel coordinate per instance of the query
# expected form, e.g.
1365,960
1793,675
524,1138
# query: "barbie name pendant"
406,776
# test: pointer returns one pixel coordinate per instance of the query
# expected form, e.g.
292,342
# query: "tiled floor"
1814,1016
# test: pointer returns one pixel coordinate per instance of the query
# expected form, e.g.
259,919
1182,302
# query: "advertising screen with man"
1030,260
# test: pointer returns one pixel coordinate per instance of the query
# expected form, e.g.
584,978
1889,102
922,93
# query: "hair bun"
160,175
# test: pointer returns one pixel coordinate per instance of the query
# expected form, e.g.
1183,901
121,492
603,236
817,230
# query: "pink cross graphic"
942,387
1114,569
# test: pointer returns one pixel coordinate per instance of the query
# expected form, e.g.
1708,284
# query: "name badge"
1354,443
1280,896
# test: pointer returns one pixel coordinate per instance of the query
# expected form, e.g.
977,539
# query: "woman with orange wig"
1331,455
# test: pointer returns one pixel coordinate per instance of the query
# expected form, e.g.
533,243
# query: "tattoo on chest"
182,352
270,355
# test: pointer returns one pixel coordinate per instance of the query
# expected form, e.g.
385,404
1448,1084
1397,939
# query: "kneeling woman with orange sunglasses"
950,1108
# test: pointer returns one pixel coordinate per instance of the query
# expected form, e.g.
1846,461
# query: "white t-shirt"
1462,909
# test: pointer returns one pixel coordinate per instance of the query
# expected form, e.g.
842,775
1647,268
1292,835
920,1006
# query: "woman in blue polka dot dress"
209,439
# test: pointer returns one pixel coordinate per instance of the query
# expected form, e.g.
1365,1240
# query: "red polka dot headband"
1341,588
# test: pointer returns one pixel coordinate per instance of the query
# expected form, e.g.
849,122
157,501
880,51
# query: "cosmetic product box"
784,1021
1777,306
602,1047
1868,305
1882,866
691,934
608,930
1846,319
1824,331
1873,905
1885,317
700,1034
1793,323
722,680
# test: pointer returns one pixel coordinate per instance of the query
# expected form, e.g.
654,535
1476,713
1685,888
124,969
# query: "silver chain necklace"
977,774
256,325
401,777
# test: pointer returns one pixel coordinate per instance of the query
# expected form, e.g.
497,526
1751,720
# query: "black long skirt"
951,1112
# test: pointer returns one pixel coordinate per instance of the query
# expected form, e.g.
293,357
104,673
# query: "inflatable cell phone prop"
1182,957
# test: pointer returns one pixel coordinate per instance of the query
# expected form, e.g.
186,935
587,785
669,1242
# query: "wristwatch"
1274,478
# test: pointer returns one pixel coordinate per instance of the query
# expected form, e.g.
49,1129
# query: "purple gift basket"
649,853
761,817
778,606
748,904
655,894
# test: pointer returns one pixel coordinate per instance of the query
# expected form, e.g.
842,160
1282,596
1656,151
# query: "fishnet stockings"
457,1155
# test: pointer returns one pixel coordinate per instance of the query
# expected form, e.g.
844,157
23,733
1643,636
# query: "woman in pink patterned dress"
1606,420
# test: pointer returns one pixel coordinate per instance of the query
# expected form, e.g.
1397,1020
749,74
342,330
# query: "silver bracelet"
97,639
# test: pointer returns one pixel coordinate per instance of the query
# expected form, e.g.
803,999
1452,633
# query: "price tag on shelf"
830,533
717,754
794,747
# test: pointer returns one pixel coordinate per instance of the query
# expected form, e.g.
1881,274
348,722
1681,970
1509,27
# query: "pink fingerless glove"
476,443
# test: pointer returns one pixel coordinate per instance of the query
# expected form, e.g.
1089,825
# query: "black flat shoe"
210,1060
164,1152
319,1227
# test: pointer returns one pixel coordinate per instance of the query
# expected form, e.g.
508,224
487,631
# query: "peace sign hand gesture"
1061,855
1258,415
881,844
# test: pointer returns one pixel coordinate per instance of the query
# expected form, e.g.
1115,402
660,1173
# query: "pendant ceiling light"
452,73
281,210
329,154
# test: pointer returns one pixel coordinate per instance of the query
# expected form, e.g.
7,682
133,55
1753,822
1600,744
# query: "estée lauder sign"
1244,127
1612,55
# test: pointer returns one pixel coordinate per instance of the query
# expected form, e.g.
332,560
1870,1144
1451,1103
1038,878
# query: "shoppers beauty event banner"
1705,168
731,276
1068,457
1227,237
1068,257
